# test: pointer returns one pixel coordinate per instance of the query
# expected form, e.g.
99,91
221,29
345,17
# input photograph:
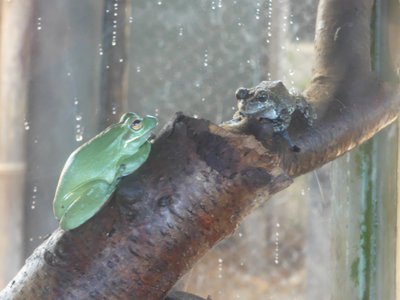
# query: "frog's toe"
295,148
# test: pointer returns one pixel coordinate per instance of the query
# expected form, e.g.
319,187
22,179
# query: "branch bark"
201,179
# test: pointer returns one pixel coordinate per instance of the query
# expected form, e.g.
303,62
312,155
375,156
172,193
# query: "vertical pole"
14,62
365,206
114,64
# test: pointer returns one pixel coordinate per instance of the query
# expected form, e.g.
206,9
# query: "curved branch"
352,104
201,180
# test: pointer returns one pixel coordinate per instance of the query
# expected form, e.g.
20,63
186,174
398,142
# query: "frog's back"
94,160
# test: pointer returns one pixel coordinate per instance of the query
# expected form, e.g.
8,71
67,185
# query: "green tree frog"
93,170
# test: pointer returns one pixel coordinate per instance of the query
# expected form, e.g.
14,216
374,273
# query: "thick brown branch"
201,180
198,184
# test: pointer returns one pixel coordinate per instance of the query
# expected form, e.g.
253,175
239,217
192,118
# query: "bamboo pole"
114,70
15,19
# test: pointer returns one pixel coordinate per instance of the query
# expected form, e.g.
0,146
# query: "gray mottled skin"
271,100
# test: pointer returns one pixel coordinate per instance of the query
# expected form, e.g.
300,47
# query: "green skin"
93,171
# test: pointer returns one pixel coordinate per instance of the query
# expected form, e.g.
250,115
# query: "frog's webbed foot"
285,134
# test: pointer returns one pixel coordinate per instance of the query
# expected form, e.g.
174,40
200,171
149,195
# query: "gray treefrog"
271,100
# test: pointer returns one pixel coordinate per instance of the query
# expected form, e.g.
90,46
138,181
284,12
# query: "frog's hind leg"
87,203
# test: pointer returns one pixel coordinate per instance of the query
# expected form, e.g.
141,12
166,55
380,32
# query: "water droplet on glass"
257,13
205,58
138,69
39,23
26,125
78,117
159,2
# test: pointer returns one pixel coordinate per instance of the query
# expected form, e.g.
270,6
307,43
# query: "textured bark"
201,179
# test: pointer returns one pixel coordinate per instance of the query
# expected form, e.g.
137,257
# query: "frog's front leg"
86,201
285,135
306,109
280,126
131,163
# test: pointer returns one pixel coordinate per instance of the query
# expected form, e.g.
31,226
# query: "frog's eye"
242,93
262,97
136,124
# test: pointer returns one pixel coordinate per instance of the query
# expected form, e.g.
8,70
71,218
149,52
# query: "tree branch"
201,179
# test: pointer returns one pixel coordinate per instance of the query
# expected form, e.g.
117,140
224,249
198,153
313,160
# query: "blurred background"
70,68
